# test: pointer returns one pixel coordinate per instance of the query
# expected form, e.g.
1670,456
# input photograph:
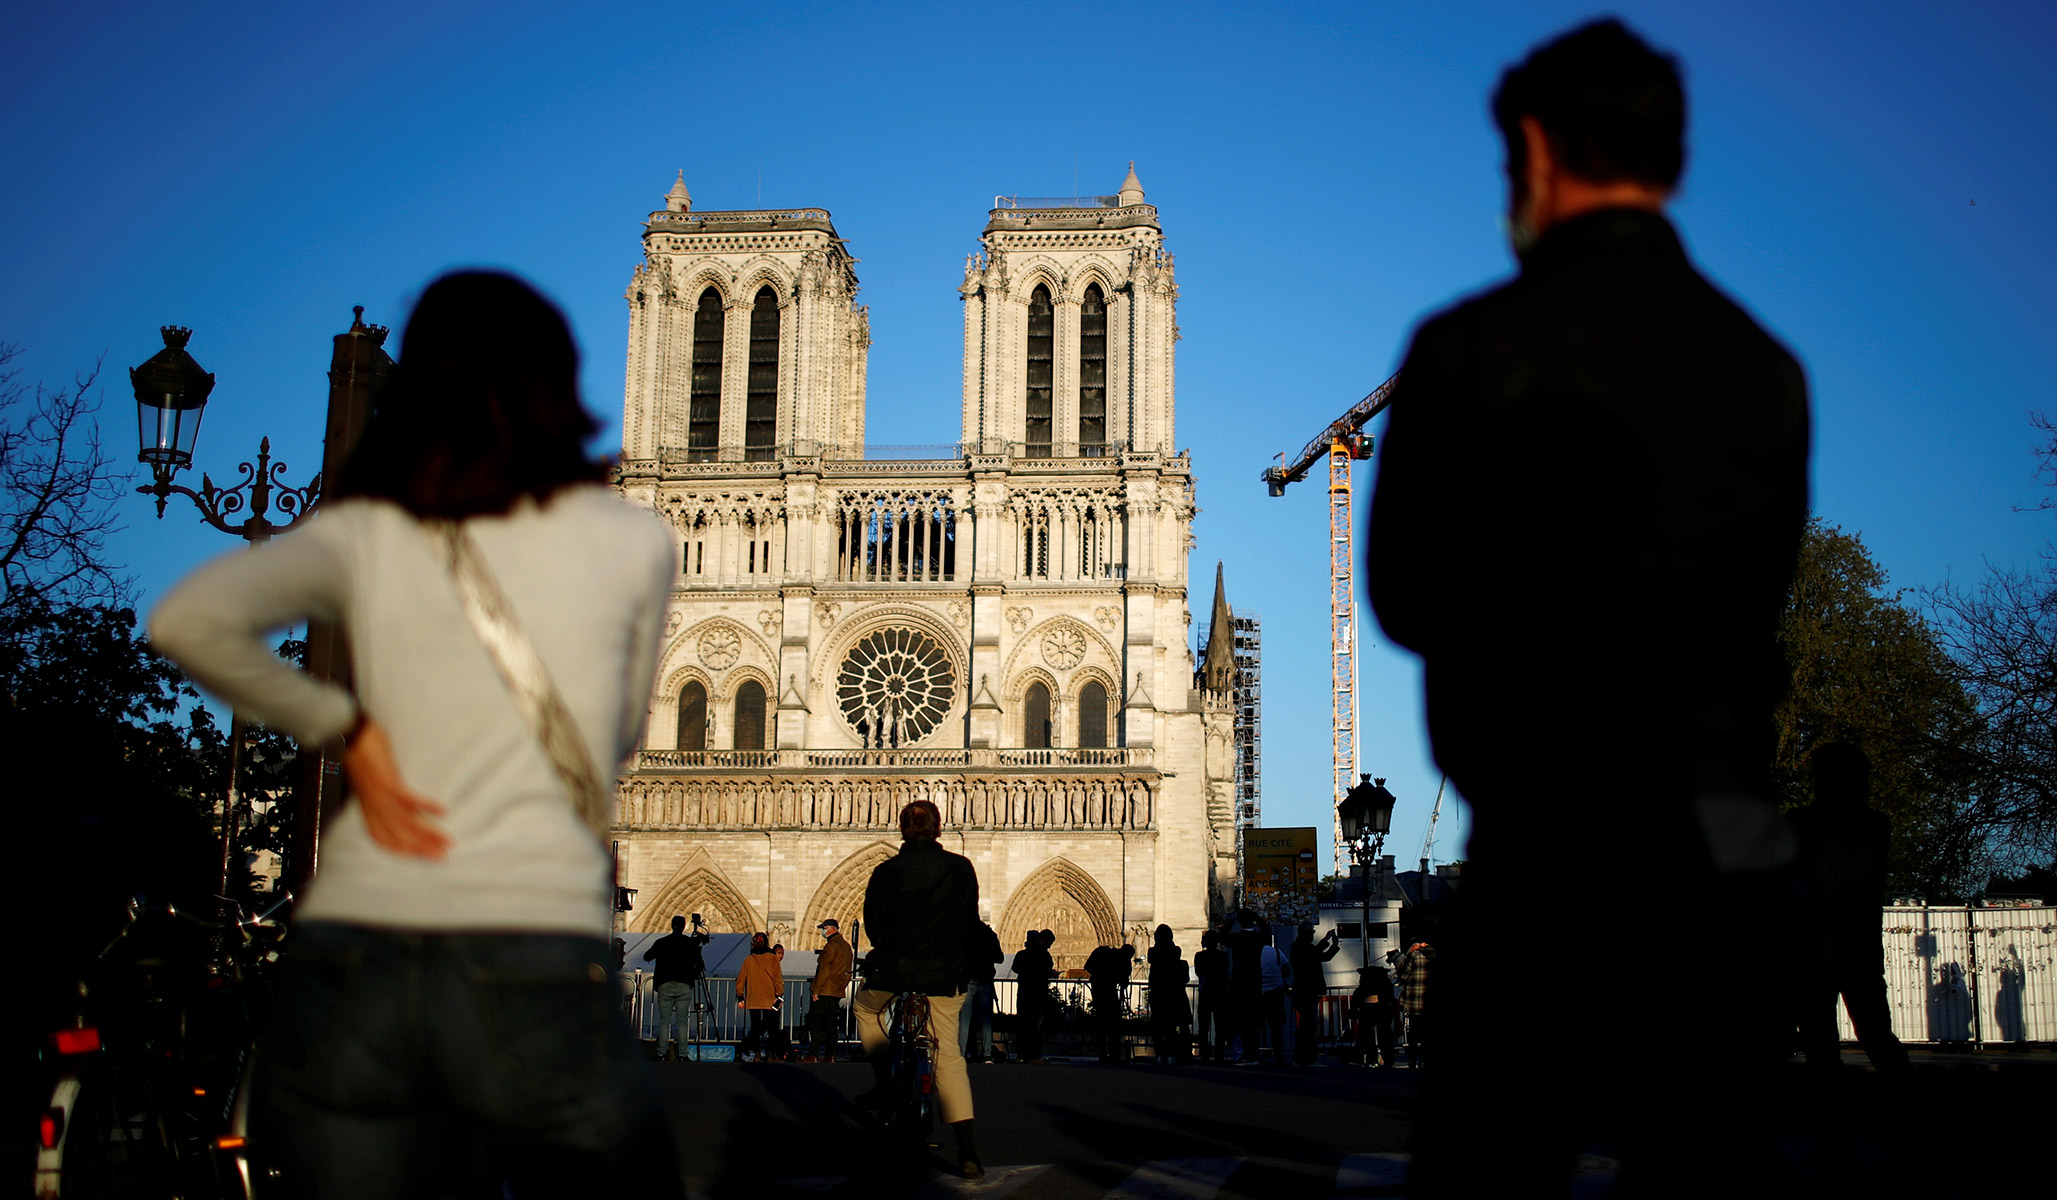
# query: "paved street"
1080,1131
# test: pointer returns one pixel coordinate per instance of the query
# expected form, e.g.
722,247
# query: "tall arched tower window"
1035,718
703,412
750,716
693,716
1042,362
1092,717
761,406
1092,373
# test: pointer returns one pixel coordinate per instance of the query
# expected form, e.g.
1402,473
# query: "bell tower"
745,340
1069,325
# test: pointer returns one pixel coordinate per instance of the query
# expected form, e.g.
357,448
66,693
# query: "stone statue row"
1092,802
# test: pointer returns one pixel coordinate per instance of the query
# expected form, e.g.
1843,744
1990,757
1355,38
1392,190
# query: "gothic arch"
699,279
1088,272
841,894
1061,897
764,272
698,886
1036,270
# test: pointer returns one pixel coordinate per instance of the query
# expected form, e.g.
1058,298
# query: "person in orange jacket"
761,991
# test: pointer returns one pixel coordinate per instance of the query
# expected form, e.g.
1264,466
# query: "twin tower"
998,624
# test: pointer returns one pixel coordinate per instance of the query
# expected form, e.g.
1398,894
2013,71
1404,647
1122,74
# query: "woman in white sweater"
449,965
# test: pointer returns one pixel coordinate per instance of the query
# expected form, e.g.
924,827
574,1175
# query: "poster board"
1281,872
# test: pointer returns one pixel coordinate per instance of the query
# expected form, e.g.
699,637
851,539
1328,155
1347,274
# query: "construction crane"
1428,840
1342,443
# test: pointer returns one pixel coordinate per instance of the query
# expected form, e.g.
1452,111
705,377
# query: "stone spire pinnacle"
678,199
1131,188
1219,671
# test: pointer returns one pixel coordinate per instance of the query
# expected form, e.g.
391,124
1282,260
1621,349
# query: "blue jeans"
399,1062
672,999
977,1023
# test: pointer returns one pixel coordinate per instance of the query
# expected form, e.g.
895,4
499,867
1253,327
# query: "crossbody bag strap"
535,694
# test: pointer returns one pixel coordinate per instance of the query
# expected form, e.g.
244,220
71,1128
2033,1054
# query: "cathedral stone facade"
999,626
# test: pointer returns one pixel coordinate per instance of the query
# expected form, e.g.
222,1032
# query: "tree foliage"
58,488
1867,668
2001,635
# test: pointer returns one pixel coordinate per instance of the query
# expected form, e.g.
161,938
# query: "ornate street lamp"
171,395
1366,814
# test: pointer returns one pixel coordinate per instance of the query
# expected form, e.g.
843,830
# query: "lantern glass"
166,428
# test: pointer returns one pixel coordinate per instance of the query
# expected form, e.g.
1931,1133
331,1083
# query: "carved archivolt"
841,895
698,886
1064,899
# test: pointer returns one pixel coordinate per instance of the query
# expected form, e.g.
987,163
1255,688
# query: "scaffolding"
1247,701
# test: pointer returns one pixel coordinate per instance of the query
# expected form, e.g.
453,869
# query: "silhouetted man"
1843,847
1108,969
1245,941
1587,510
680,964
919,908
1211,1027
1310,984
1033,969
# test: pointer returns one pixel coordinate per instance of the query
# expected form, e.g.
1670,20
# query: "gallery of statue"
998,625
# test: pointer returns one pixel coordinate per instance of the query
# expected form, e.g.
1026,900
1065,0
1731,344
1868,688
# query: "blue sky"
1867,178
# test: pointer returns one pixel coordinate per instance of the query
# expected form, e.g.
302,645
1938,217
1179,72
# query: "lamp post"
1366,815
171,396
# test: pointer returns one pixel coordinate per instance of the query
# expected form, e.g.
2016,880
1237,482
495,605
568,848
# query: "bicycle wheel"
105,1137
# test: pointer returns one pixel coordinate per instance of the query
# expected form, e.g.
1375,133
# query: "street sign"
1281,873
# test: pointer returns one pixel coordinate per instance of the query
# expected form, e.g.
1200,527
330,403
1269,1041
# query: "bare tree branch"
58,494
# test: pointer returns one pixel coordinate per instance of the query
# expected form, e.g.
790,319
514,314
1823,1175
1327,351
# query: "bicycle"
910,1107
151,1097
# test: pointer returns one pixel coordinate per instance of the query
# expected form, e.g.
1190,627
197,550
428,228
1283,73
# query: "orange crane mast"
1342,443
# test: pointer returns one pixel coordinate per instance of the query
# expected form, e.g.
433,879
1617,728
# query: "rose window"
894,687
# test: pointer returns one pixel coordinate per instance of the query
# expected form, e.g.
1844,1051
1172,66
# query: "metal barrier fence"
1068,1022
1982,975
1978,975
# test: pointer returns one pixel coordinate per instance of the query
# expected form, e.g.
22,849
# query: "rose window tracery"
895,687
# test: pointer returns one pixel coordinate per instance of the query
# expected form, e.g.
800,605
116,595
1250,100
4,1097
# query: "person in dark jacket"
1843,848
919,908
1033,969
1211,968
1377,1013
980,957
1171,1015
1107,970
1246,940
1589,503
1310,983
680,964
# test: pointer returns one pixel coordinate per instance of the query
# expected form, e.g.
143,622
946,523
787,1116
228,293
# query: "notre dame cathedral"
998,625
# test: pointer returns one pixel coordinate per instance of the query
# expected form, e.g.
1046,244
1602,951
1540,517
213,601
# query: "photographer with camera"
680,965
